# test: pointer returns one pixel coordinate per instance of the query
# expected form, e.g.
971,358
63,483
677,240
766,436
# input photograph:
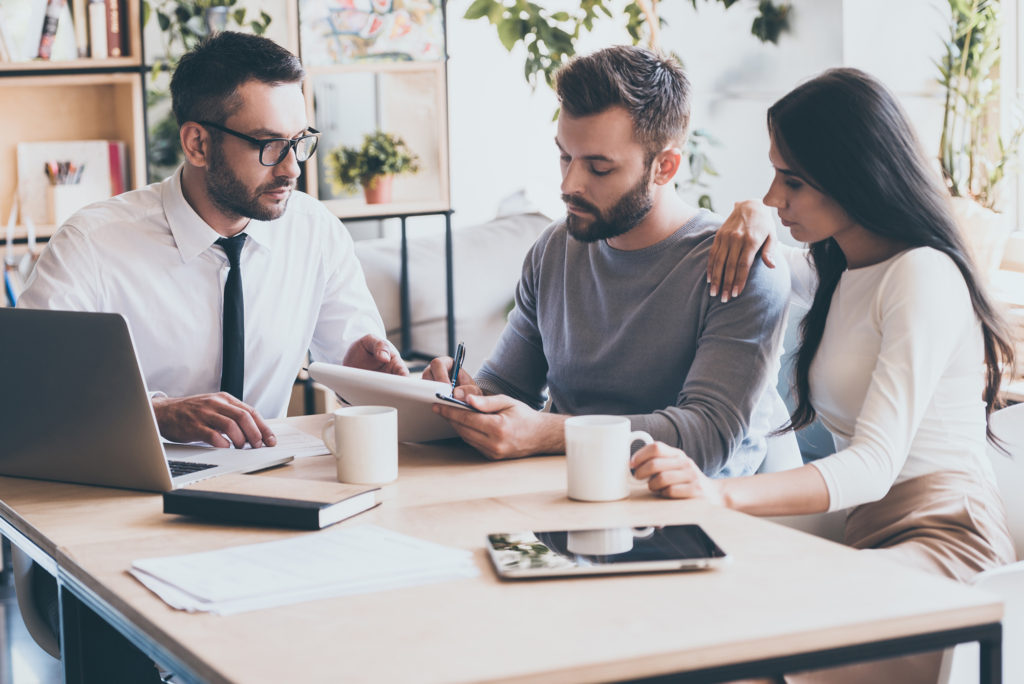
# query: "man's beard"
231,196
627,213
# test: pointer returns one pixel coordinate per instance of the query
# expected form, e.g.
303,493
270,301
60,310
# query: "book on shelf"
117,155
80,17
97,29
54,8
36,28
103,173
115,28
5,51
277,501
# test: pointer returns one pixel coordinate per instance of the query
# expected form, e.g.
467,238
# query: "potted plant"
973,156
373,165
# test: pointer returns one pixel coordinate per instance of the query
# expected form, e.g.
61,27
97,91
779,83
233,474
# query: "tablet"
413,397
614,550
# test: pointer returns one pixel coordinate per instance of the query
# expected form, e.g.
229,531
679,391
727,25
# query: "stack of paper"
353,560
290,441
296,442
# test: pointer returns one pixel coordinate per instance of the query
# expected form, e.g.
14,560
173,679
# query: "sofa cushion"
487,260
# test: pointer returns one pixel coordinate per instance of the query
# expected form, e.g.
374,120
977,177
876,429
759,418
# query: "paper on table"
351,560
290,440
298,443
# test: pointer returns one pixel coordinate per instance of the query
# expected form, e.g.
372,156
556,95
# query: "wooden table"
788,600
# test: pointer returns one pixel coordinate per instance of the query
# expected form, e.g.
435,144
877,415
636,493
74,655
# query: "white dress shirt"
148,256
899,375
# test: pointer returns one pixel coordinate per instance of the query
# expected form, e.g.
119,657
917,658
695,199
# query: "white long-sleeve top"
148,256
899,375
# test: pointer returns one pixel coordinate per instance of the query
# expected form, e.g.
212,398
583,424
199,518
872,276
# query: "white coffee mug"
364,440
597,457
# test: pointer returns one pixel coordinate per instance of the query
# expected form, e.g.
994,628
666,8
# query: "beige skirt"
948,523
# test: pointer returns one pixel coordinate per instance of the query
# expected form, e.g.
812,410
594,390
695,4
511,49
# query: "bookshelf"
381,70
105,98
80,99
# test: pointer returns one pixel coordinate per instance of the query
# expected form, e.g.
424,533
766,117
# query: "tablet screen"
606,550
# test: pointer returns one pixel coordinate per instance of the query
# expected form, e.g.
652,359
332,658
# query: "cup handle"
644,532
327,435
639,436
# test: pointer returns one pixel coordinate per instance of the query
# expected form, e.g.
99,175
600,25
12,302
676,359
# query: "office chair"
37,625
960,665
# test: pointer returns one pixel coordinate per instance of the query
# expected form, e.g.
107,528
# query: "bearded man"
613,311
226,274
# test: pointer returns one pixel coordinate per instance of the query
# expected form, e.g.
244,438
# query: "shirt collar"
192,235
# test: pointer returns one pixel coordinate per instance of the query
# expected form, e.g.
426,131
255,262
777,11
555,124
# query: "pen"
460,354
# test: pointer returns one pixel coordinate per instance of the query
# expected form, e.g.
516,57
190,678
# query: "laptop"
74,408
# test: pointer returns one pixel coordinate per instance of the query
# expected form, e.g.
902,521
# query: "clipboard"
413,397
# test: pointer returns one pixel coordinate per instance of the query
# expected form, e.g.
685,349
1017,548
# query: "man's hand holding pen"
500,427
449,370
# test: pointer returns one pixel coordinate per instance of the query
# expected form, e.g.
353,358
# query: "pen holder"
64,200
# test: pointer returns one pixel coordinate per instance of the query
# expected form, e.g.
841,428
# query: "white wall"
502,133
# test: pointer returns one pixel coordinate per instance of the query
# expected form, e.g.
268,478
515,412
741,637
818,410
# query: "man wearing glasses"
226,274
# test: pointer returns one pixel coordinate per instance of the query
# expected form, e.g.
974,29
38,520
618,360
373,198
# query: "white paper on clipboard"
413,397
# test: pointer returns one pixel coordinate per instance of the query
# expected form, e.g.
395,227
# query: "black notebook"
258,499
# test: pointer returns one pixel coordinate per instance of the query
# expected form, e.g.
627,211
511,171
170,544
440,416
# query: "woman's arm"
672,474
930,338
923,313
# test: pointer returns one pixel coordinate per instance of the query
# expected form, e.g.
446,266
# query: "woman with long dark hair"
901,352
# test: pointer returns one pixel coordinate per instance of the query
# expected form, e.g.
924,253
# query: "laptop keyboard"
179,468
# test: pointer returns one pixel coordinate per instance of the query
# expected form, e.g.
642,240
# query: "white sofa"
487,261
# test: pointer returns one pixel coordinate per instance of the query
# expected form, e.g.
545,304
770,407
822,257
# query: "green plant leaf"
771,21
479,9
510,31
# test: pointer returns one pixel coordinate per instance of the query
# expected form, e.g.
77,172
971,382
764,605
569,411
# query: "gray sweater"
636,333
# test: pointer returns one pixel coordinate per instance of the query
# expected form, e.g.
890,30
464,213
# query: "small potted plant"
373,165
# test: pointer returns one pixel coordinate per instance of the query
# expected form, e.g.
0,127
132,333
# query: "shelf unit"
82,99
408,98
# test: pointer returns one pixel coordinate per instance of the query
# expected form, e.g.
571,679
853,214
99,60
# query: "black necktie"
233,364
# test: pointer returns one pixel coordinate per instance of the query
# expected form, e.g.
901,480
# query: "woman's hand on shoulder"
674,475
746,230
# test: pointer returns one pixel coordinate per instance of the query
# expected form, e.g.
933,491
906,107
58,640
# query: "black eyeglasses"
274,150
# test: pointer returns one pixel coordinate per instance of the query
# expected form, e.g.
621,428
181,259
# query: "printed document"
350,560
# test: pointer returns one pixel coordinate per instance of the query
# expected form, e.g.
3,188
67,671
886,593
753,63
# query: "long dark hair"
848,137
